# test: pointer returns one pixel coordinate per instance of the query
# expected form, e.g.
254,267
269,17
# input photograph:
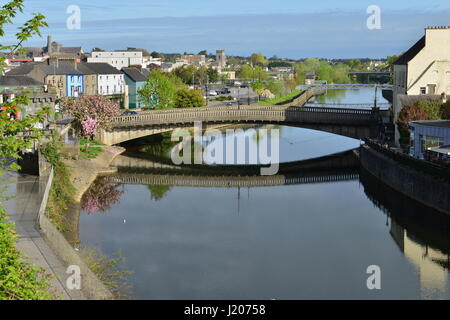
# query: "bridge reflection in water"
421,234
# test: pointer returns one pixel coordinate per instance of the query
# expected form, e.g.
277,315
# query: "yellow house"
425,68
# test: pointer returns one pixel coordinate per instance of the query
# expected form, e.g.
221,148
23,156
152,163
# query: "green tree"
186,74
258,59
19,280
189,98
213,75
158,91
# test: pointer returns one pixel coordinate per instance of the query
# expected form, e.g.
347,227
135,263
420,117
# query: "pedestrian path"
23,208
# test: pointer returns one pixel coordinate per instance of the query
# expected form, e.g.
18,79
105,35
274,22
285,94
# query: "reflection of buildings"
421,233
432,275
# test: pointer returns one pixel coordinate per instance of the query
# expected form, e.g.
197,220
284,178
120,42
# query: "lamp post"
239,95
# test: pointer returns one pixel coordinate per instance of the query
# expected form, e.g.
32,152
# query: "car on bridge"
129,113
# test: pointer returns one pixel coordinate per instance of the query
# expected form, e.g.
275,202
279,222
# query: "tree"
19,280
158,91
90,112
186,74
213,75
258,59
406,115
189,98
203,53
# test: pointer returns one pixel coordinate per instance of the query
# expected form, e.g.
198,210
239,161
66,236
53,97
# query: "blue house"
74,85
135,80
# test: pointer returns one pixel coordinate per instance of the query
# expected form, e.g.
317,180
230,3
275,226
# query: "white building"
118,59
147,61
110,81
425,68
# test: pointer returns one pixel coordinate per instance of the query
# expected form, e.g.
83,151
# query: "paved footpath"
23,210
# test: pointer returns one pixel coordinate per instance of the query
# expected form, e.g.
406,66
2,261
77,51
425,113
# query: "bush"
62,191
189,98
19,280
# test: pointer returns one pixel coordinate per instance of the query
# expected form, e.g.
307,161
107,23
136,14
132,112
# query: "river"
312,237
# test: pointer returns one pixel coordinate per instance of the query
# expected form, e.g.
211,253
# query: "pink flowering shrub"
87,109
88,127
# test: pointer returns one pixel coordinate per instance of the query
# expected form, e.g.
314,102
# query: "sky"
286,28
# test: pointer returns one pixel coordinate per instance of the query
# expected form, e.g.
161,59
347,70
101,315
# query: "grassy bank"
280,100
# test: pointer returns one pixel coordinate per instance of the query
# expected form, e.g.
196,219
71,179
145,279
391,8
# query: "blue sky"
287,28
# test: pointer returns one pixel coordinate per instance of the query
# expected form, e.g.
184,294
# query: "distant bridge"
382,106
131,170
345,86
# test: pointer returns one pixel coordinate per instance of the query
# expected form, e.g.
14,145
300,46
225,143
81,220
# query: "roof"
62,68
411,53
102,68
134,74
15,81
442,149
433,123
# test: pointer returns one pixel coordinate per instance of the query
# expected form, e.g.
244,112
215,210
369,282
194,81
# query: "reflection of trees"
100,196
158,192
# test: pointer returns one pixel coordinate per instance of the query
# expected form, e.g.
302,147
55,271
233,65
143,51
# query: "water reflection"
420,232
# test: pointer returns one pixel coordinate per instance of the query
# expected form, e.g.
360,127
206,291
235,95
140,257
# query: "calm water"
301,240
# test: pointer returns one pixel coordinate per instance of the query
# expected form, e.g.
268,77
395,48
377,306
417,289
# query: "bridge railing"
271,114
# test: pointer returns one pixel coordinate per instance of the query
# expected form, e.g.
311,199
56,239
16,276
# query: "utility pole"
376,92
239,95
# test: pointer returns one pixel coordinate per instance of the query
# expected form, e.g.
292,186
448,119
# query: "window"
430,142
423,90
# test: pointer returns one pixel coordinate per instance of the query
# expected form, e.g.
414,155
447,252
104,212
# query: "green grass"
90,152
90,142
280,100
89,149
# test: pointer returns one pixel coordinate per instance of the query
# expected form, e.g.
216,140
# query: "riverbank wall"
83,174
424,182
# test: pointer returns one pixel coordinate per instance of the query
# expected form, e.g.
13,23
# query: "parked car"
129,113
212,93
224,91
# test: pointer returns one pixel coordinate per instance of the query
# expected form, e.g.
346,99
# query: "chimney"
49,44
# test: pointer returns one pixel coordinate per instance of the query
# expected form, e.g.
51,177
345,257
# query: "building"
38,94
110,81
424,69
221,59
310,78
194,59
135,80
73,79
53,48
426,135
117,59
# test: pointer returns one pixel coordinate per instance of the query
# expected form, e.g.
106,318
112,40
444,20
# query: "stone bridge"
353,123
131,170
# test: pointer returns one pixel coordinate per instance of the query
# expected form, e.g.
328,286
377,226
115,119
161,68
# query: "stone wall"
424,185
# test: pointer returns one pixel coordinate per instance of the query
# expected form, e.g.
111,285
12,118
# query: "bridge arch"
353,123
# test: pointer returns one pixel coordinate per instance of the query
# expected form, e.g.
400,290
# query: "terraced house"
73,79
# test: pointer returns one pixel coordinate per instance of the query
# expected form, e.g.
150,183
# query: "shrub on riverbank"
19,280
109,271
62,191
